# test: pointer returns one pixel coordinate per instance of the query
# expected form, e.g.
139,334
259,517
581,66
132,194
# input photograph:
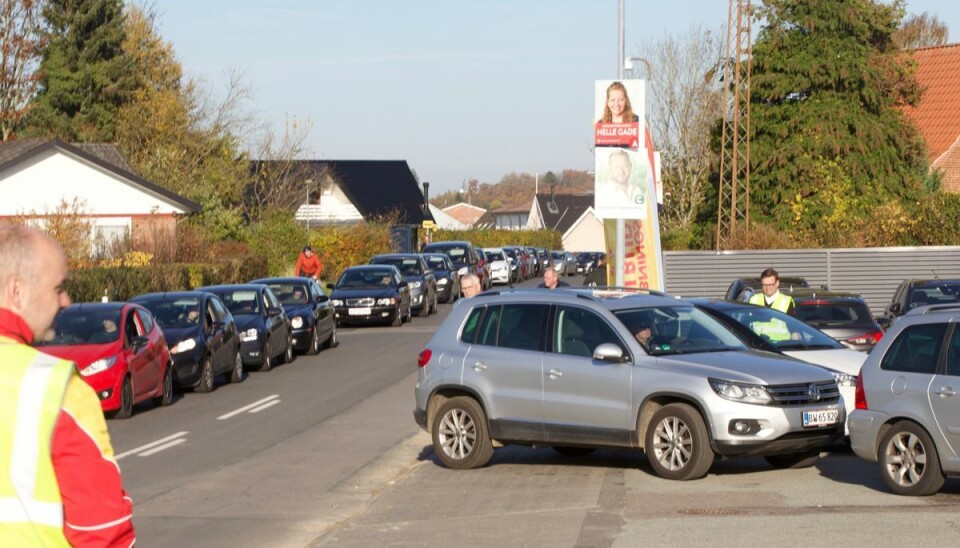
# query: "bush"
341,246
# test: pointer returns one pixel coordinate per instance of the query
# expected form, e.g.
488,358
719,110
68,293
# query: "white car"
499,265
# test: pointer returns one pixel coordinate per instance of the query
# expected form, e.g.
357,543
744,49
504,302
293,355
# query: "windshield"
494,256
365,279
678,330
290,293
510,253
241,302
585,257
175,313
408,266
781,330
557,255
74,326
457,254
437,263
833,313
939,293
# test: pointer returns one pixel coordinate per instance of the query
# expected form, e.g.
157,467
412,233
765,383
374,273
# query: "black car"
448,281
913,293
844,316
585,262
306,305
461,253
202,335
741,289
420,280
516,268
265,335
371,294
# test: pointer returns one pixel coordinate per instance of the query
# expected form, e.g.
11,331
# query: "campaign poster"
618,113
620,177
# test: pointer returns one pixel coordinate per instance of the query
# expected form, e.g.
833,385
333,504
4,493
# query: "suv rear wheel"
460,437
677,444
909,462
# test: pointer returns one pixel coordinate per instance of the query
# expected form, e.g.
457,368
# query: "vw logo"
814,392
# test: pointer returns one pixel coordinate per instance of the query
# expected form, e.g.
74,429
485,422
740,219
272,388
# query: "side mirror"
139,342
609,352
329,285
322,298
894,308
883,322
274,311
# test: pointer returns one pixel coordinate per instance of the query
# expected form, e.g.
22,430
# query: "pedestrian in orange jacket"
308,264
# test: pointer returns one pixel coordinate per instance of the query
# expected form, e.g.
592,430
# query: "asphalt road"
325,452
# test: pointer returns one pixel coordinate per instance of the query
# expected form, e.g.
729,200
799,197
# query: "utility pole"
621,247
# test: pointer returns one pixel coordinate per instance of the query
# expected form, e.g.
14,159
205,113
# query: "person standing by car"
551,280
59,481
598,276
308,264
771,297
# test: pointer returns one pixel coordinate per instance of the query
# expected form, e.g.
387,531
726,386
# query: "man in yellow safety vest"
59,482
771,297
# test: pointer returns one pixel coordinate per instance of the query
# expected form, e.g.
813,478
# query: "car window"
216,312
916,349
470,327
833,313
293,293
941,293
131,329
513,326
578,332
798,335
146,320
679,330
241,302
75,326
271,299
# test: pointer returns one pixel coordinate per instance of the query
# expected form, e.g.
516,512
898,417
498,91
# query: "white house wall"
586,235
39,184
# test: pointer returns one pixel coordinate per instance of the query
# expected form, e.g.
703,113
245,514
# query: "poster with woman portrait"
618,110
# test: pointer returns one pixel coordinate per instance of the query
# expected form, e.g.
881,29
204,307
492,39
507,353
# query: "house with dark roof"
39,176
571,215
511,217
938,113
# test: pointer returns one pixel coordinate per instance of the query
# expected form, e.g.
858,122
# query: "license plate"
821,417
358,312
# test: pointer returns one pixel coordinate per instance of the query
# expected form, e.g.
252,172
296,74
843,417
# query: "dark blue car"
371,294
420,280
202,336
265,336
448,281
312,317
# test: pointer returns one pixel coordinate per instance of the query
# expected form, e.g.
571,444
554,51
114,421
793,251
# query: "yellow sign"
428,224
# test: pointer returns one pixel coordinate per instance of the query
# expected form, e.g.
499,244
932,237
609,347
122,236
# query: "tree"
21,44
85,76
920,31
280,180
827,86
686,100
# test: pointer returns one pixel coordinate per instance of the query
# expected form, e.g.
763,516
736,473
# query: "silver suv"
566,368
907,409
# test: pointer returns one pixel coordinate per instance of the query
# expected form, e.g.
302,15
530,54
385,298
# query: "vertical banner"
626,185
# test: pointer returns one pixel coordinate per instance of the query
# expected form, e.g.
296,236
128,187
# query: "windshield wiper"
805,346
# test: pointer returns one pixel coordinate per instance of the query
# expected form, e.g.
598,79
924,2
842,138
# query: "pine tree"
85,75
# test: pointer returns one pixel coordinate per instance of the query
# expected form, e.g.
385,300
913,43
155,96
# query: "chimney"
426,197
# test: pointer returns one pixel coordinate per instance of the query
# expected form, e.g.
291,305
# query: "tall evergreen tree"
85,75
827,86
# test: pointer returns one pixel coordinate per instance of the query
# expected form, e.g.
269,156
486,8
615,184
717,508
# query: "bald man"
58,475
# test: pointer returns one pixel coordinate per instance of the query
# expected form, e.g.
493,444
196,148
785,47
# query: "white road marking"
167,445
245,408
264,406
161,442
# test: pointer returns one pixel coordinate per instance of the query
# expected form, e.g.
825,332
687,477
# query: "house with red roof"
938,114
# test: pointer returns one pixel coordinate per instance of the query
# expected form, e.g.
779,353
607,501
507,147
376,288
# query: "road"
325,452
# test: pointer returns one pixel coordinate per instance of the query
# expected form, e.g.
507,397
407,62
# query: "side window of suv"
469,333
513,326
579,332
916,349
953,354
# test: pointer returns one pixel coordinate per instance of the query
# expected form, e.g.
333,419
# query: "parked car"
806,343
913,293
499,265
307,306
463,255
564,262
118,350
518,267
483,265
584,262
844,316
907,414
448,281
266,337
419,277
371,294
565,369
741,289
202,335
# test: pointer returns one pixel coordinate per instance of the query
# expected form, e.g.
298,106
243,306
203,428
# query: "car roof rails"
934,308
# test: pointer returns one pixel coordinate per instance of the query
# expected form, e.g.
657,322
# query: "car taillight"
424,357
860,397
868,338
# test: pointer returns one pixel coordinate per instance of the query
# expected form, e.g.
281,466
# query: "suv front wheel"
909,461
677,444
460,437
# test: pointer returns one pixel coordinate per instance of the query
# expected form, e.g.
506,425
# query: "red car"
119,350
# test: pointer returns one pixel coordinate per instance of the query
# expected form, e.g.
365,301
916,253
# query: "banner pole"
621,230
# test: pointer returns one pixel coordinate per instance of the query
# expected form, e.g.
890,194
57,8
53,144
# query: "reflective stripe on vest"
33,385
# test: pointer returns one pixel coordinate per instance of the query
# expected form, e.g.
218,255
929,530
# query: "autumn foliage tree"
921,31
21,46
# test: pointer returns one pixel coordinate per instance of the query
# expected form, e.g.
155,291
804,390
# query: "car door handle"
479,366
946,392
555,373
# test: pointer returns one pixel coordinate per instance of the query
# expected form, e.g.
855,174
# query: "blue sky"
459,88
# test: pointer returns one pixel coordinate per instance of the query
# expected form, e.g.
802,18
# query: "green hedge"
122,283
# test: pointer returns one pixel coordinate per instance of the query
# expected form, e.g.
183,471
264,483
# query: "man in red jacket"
308,264
59,482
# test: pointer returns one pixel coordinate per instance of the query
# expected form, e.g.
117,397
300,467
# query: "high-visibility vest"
774,329
32,387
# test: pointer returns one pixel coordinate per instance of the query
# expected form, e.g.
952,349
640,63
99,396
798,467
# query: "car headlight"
386,302
249,335
463,271
296,322
740,392
98,366
415,285
442,281
336,302
843,379
184,345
